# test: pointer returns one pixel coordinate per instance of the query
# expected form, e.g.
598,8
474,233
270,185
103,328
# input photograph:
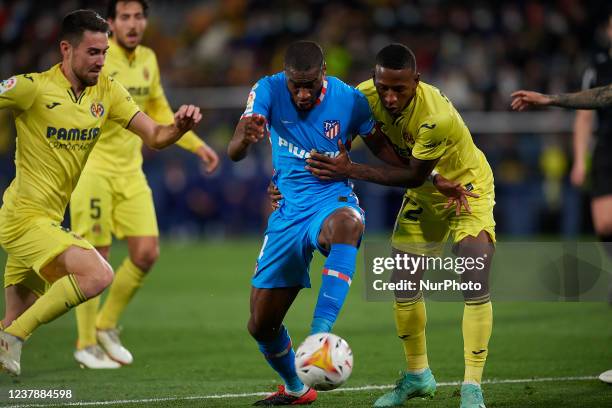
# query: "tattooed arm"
595,98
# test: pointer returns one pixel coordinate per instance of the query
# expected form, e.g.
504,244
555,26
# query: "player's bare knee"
145,257
106,275
262,330
99,279
477,284
104,252
346,226
256,329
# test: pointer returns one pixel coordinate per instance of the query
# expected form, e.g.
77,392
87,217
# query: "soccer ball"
324,361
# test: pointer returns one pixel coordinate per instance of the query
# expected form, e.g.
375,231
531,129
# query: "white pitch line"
258,394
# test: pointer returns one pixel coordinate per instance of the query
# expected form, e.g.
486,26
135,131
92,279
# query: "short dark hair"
304,56
111,8
396,56
77,22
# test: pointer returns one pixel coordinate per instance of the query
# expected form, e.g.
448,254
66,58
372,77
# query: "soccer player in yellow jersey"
59,115
113,195
423,127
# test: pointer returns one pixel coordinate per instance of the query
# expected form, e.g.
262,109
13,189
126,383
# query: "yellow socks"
410,320
63,295
86,322
128,279
477,326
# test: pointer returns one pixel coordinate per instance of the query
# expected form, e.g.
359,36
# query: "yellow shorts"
102,206
31,242
423,225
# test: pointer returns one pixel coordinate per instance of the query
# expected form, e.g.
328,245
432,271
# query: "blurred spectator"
475,52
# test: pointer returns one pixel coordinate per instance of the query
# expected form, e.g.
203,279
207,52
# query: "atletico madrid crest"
331,128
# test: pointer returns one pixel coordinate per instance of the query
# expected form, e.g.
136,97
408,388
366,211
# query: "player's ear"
65,47
324,69
417,77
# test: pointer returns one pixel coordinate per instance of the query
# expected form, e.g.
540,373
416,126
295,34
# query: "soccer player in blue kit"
301,110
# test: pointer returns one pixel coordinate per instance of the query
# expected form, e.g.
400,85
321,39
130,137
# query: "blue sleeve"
362,120
260,98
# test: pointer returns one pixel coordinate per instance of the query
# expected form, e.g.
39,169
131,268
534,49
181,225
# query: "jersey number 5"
96,211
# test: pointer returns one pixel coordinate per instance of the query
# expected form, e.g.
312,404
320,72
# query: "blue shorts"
288,247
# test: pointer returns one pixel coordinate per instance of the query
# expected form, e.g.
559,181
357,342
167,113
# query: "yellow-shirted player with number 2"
423,128
113,196
59,117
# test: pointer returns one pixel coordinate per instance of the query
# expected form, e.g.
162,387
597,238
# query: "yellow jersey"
120,151
56,131
430,128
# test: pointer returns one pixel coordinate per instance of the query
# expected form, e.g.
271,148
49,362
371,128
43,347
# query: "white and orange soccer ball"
324,361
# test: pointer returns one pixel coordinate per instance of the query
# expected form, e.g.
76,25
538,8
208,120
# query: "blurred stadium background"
476,52
187,326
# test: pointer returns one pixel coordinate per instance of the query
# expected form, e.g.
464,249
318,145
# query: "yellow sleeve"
19,92
430,142
158,109
122,106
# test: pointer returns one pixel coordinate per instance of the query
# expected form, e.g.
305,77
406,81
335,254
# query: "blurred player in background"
426,131
113,196
594,98
59,115
302,110
599,98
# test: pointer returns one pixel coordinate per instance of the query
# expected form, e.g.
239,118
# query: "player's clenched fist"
187,117
254,128
251,129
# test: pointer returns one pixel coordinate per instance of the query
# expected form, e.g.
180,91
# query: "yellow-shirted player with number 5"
113,196
59,117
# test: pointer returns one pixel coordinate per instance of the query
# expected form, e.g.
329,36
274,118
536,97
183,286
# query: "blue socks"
279,354
337,276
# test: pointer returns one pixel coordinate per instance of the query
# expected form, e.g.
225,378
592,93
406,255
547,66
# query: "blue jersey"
341,112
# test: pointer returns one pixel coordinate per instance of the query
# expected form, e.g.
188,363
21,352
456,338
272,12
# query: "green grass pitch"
187,331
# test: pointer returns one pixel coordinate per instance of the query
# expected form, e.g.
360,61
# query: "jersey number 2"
413,213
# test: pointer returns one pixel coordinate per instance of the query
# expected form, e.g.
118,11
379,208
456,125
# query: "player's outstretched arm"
341,167
522,99
456,193
595,98
381,147
250,130
158,136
